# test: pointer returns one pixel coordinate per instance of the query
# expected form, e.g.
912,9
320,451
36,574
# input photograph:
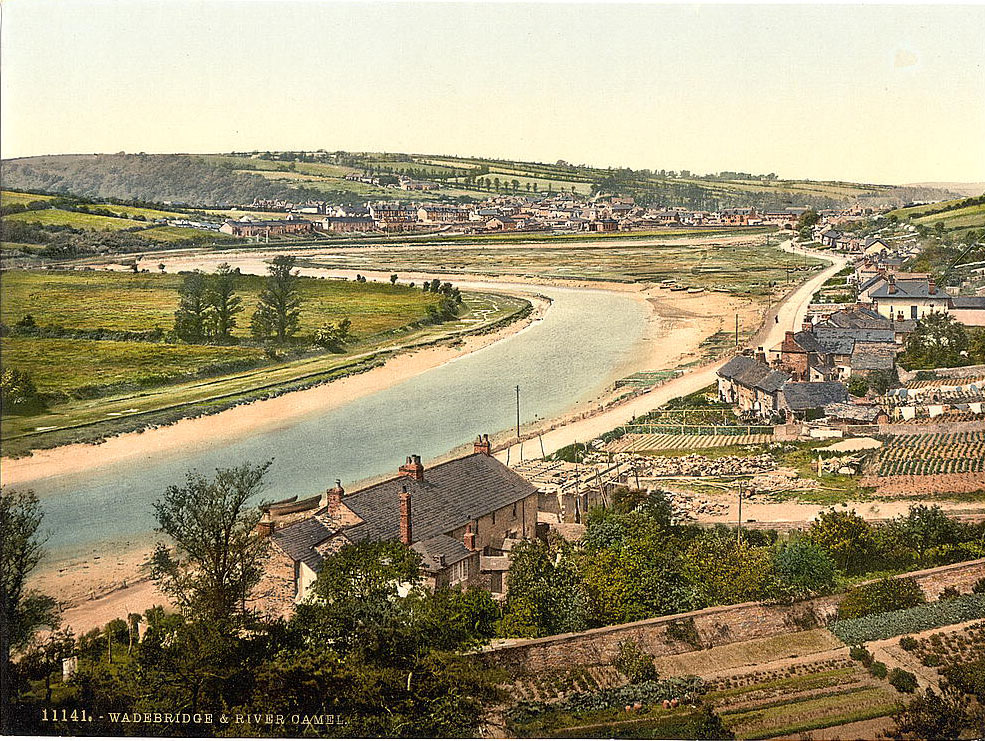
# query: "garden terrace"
697,440
930,454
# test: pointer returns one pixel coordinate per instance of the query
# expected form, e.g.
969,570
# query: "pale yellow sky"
865,93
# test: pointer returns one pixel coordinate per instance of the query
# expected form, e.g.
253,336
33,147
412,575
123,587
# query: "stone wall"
715,626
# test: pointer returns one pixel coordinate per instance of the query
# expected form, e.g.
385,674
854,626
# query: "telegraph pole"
738,531
519,442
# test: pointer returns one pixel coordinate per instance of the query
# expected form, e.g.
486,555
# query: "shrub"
861,654
884,595
878,670
903,680
908,643
804,569
948,593
979,587
635,663
684,631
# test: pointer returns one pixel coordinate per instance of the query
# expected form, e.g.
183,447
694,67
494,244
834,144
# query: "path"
790,312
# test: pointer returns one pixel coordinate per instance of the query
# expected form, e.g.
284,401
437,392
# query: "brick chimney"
412,468
332,498
931,285
761,355
406,531
265,528
469,537
482,445
891,286
806,326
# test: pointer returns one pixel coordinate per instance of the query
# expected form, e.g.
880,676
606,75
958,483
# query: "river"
586,338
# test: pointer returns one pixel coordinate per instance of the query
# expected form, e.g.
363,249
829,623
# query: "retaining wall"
716,626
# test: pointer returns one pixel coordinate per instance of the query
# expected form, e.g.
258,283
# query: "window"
459,571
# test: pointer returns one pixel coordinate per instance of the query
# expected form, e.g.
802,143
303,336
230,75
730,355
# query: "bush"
948,593
684,631
861,654
878,670
908,643
903,680
979,587
635,663
884,595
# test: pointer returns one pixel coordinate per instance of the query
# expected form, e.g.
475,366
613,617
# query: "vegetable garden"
929,454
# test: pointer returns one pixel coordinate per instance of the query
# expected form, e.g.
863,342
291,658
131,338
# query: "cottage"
908,296
751,384
462,516
808,400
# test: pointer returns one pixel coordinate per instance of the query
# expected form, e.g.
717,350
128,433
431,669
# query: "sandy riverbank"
252,418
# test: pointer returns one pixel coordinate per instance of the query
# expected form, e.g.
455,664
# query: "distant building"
249,227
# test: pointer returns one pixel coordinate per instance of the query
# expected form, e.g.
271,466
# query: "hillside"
239,178
959,215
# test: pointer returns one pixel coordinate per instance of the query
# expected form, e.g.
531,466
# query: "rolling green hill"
211,180
957,215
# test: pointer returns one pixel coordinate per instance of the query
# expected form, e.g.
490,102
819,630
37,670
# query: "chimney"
406,533
806,327
469,537
265,528
332,498
891,286
931,285
482,445
761,355
788,337
412,468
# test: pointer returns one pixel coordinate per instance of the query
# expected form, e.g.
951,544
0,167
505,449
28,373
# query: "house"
500,223
250,227
808,400
907,296
803,357
347,224
751,384
461,516
431,214
875,246
969,310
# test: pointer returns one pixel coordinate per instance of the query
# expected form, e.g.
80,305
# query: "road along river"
586,338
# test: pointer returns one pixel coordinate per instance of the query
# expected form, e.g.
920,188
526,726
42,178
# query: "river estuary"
585,339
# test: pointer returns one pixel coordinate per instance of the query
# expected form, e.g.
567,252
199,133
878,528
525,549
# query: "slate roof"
860,317
451,495
300,539
968,302
871,356
807,342
750,373
802,396
909,289
441,551
844,340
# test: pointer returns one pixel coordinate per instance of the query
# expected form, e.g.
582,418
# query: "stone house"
751,384
462,516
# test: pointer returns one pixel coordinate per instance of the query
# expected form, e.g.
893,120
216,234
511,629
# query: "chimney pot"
482,445
412,468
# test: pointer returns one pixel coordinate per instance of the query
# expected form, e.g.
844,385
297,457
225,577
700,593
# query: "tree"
922,529
707,724
393,279
545,595
334,335
23,611
976,344
930,715
18,394
804,569
217,558
279,309
223,302
845,536
858,385
191,317
938,341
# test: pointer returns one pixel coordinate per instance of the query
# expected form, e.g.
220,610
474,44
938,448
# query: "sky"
864,93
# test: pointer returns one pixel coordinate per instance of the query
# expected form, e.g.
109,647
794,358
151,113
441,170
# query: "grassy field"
954,219
100,387
739,264
12,197
139,302
68,365
148,213
76,219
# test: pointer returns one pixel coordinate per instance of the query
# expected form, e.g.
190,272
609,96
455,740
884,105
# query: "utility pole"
736,331
738,531
519,441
